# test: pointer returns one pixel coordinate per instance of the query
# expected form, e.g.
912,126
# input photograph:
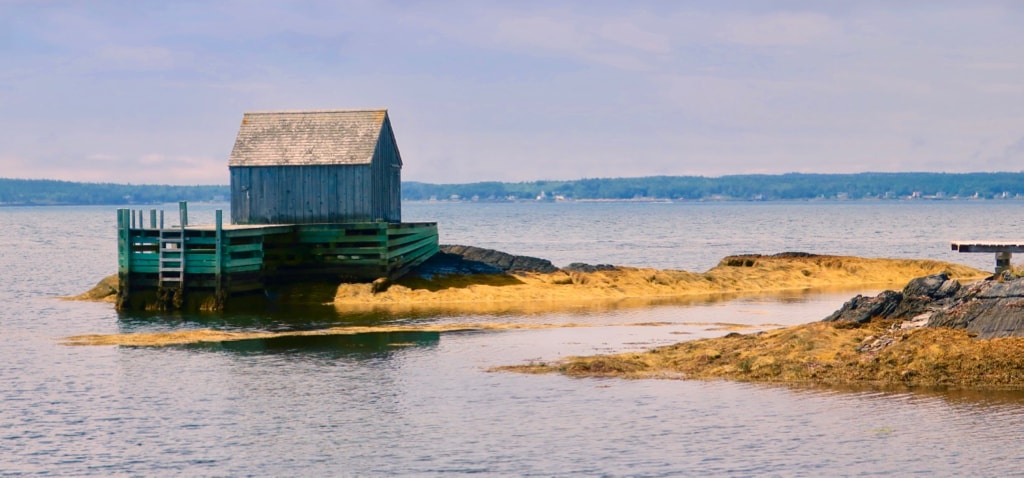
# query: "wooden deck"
1003,250
165,267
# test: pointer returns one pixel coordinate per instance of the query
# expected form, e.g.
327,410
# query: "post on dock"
219,259
1003,261
179,295
183,213
124,255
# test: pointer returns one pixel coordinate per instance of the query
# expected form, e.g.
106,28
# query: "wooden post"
219,259
122,241
1003,261
124,257
179,295
183,213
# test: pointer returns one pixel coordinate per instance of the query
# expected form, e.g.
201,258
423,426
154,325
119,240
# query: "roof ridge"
349,110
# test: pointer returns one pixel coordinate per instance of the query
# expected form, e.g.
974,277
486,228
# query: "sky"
153,92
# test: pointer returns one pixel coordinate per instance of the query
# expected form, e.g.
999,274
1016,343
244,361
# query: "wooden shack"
321,166
315,195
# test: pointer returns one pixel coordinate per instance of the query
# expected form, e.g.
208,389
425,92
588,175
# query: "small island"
936,332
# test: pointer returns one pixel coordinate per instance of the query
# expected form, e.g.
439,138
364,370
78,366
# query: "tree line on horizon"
792,186
42,192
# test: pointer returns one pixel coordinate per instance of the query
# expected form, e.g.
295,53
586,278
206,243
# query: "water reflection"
597,305
358,345
957,397
310,317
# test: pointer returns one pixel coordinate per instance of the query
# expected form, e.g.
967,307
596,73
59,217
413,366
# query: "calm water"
423,404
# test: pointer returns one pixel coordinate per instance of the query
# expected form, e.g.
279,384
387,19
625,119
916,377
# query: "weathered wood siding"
305,195
387,176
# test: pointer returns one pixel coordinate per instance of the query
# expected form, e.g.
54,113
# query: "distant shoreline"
708,200
567,201
733,188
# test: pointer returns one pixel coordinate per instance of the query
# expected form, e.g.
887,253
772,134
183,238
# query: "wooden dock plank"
398,253
236,249
987,246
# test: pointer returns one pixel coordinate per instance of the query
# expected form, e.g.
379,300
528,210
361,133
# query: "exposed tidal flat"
424,403
463,279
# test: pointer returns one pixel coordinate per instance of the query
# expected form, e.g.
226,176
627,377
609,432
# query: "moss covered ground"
837,353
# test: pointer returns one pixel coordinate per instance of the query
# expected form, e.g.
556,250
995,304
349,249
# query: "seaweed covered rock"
105,290
990,308
750,260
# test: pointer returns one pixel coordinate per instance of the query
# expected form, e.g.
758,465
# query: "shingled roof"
299,138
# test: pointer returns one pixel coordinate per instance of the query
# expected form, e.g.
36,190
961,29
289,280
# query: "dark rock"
936,286
989,308
501,260
926,294
582,267
862,309
467,260
444,263
793,254
922,295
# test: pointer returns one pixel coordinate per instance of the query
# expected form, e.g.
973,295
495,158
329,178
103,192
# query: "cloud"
103,167
583,36
1011,157
518,91
136,58
778,29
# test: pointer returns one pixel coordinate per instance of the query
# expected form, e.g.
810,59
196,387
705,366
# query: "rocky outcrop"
862,309
468,260
923,295
588,268
990,308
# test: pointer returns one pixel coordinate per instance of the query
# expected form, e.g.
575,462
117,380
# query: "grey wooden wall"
306,195
387,176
